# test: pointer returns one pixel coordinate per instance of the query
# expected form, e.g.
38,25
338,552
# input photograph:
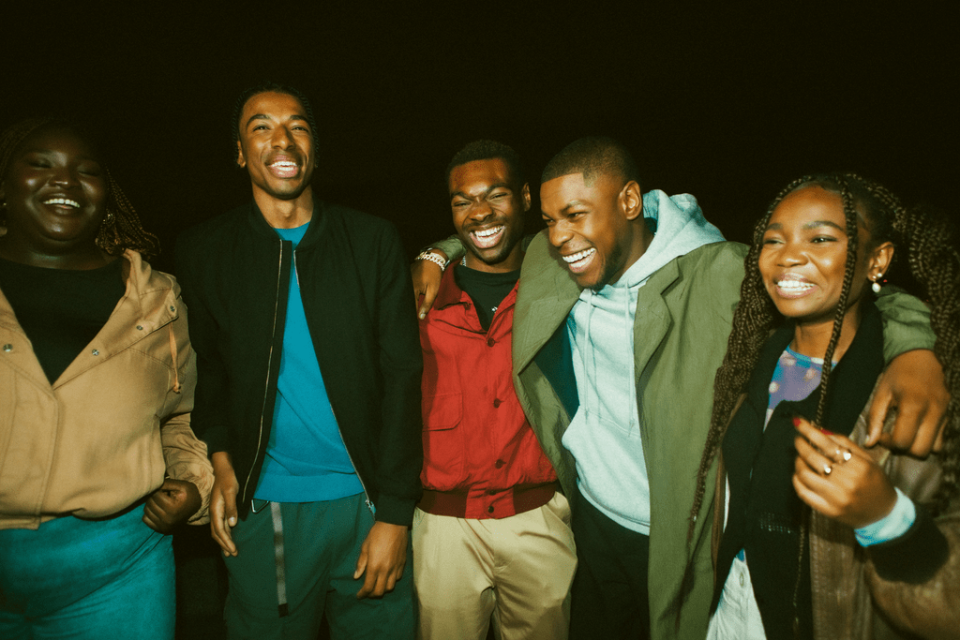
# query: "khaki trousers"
517,570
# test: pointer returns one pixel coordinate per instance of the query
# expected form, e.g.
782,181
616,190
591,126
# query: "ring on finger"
827,469
844,455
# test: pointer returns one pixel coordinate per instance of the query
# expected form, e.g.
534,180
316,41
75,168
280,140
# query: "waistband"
454,503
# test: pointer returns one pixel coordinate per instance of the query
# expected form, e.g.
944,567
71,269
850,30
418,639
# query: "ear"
879,260
525,194
631,201
241,161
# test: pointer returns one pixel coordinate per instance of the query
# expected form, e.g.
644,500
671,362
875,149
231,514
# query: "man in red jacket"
491,535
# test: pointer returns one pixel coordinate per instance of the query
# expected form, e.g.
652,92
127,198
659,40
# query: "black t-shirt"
61,310
487,290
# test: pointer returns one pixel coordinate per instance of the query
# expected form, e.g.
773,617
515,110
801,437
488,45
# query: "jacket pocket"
443,441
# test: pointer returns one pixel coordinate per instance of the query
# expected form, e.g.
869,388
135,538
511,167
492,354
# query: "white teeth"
580,255
794,285
64,201
486,233
284,163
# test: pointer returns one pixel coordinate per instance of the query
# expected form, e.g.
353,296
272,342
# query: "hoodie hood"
679,228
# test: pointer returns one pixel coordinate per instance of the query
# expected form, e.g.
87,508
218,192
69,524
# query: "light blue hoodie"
604,435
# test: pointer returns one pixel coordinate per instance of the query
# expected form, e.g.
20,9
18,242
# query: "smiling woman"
96,388
823,535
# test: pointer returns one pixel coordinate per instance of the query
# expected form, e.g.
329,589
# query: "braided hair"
121,228
929,243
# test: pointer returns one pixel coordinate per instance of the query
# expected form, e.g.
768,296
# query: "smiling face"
488,208
592,227
55,193
276,145
803,258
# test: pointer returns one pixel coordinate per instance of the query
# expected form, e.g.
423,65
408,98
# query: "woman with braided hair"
822,537
97,458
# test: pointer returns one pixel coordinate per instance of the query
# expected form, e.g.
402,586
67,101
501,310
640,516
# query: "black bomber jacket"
234,271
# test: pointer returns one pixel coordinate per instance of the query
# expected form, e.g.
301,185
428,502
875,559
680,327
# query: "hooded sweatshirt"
604,435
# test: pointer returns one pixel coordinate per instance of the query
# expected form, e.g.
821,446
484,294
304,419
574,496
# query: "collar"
318,223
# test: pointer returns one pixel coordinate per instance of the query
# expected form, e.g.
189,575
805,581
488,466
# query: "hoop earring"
876,285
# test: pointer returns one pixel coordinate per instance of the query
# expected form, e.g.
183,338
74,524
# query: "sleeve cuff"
914,557
892,526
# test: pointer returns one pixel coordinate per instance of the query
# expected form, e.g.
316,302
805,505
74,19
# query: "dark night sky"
727,102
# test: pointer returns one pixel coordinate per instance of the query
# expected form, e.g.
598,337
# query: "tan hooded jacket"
114,424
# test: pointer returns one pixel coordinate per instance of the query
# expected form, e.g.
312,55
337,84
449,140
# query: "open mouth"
62,202
284,168
793,288
486,238
579,261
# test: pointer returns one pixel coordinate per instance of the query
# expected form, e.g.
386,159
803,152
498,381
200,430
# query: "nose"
64,176
790,254
282,138
480,211
559,234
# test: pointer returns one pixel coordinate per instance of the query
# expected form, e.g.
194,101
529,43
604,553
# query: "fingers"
878,412
223,517
914,386
426,277
154,517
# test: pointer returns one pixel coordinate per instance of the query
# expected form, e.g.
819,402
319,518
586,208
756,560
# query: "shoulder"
209,234
145,278
356,223
719,263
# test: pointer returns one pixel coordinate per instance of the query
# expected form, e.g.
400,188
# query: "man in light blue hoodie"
623,314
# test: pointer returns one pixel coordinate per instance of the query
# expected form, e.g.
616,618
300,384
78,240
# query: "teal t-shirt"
306,460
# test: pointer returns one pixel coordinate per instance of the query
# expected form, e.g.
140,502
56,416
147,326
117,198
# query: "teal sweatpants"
321,544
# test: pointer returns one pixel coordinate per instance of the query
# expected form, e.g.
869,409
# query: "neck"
285,214
639,243
78,259
812,339
511,263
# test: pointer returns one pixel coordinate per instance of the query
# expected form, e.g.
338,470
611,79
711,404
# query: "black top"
61,310
487,290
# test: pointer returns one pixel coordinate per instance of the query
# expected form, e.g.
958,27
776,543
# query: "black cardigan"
234,271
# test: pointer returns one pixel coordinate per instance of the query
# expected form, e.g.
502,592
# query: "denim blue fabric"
87,579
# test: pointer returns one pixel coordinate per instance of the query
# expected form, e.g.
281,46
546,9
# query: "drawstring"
173,352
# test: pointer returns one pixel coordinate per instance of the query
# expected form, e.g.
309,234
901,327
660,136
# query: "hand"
383,557
913,385
171,504
223,502
426,282
855,491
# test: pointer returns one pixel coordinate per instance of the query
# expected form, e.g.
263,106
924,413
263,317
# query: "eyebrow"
573,204
263,116
42,150
776,226
497,185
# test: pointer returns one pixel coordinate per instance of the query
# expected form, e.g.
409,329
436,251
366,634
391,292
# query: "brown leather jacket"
106,433
850,601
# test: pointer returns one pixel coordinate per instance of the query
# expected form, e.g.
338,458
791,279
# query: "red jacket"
481,459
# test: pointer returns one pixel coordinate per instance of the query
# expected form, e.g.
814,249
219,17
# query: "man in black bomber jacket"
308,394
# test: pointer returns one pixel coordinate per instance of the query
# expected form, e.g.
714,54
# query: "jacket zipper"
266,387
366,494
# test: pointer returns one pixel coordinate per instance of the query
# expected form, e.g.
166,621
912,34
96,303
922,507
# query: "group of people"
624,427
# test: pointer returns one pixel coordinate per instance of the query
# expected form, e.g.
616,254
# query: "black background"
728,101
